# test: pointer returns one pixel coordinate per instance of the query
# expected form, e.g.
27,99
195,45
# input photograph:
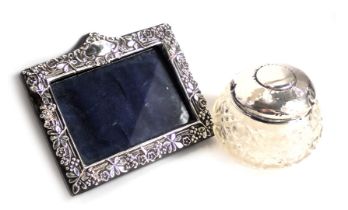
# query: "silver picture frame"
87,56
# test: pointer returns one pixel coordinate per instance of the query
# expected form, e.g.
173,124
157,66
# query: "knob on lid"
274,93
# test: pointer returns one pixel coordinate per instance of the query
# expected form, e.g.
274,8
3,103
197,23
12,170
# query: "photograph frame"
97,50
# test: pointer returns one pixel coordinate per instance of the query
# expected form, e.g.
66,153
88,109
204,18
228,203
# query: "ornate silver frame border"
95,51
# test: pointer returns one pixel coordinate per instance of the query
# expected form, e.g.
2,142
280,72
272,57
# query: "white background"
218,38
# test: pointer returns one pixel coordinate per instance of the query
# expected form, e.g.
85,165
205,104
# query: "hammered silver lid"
274,93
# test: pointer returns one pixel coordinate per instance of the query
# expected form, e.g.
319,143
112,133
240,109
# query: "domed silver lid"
274,93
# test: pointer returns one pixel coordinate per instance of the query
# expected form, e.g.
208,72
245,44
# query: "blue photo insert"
112,108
